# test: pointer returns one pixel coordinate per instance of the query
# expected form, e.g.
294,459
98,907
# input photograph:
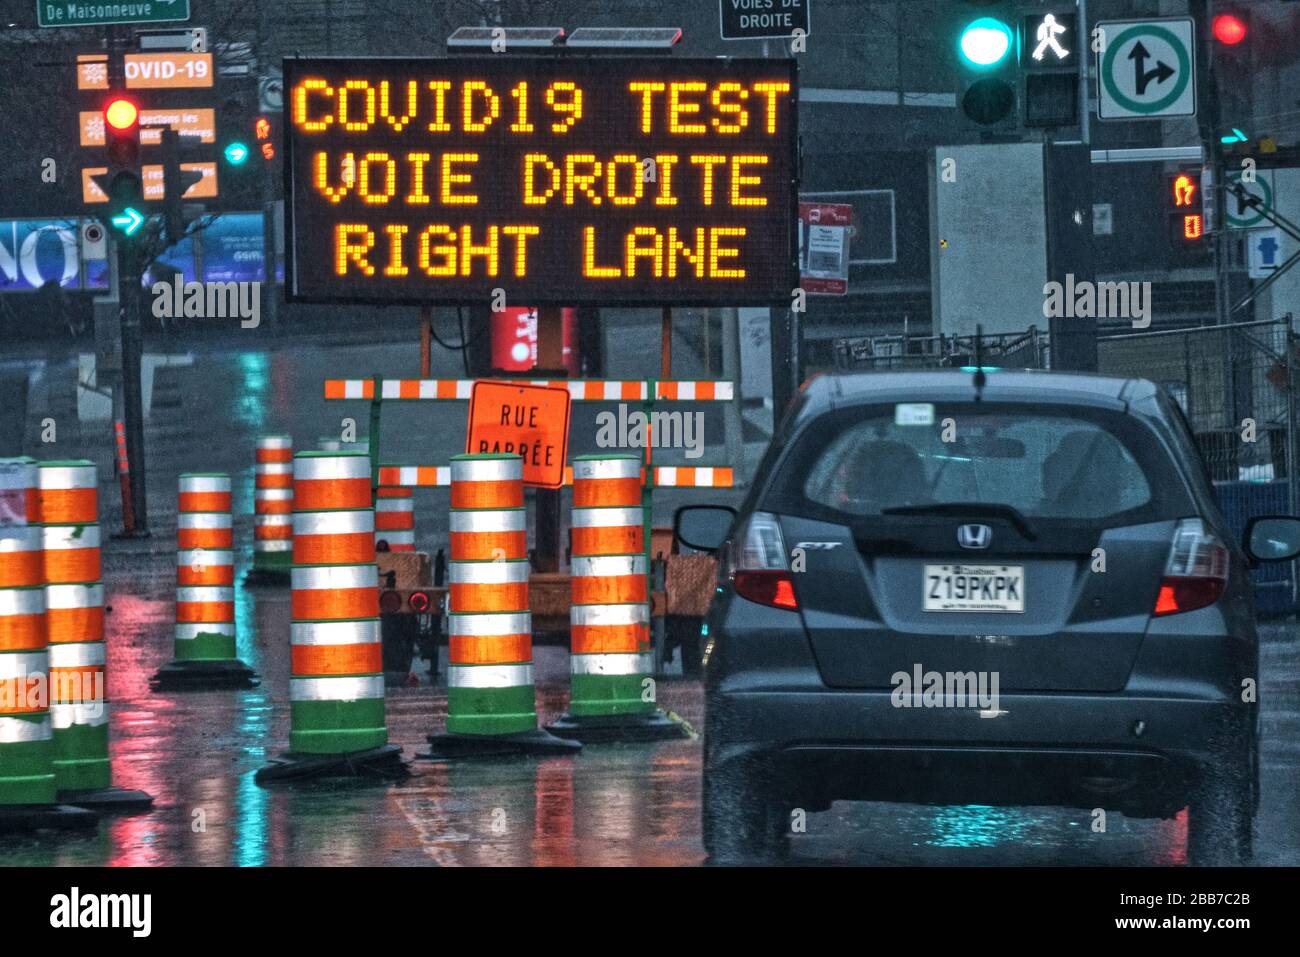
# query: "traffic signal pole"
130,273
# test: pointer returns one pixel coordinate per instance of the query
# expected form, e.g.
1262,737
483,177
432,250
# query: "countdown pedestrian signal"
561,181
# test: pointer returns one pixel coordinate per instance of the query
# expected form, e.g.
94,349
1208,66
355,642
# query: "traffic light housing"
1233,75
264,136
1188,230
121,182
986,54
1050,53
176,182
241,178
122,130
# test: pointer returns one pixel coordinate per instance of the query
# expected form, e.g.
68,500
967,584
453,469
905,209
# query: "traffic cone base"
26,818
606,728
269,574
596,694
384,763
109,800
81,755
337,727
450,745
203,675
28,775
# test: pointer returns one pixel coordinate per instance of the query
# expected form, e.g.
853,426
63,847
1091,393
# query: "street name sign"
541,180
1146,69
50,13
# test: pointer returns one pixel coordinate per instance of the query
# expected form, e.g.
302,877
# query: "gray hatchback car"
1017,590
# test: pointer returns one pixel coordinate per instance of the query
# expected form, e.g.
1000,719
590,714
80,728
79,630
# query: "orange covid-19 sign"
557,181
531,421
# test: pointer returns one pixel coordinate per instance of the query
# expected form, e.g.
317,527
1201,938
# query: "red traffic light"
1229,29
121,114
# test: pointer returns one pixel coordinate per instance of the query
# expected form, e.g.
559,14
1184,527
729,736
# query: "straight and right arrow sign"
1146,69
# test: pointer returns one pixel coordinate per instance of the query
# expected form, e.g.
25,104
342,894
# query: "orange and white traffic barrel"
336,687
490,655
26,732
609,625
273,504
69,509
395,519
205,569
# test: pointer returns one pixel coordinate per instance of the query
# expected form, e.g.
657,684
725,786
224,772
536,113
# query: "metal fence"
1233,382
1018,350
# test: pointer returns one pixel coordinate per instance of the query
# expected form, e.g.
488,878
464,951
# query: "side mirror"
703,527
1272,538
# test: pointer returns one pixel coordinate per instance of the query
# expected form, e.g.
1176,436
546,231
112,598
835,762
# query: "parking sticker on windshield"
914,413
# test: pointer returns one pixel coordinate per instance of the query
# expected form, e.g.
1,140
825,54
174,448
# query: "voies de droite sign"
555,180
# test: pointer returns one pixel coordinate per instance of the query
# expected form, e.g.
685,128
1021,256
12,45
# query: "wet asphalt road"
610,805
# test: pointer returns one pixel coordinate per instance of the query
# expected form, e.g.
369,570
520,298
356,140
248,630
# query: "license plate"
975,588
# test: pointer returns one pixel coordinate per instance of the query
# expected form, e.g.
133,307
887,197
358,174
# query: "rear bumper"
1134,753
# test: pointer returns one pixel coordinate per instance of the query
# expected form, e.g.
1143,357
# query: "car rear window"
1079,465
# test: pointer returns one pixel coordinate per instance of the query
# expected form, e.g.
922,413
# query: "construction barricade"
272,510
490,693
336,685
611,659
204,643
28,790
394,519
68,508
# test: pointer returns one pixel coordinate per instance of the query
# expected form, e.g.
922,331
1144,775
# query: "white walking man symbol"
1048,31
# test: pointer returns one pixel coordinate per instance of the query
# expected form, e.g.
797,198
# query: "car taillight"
390,602
419,601
756,563
1196,572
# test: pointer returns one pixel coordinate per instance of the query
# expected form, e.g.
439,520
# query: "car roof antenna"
979,362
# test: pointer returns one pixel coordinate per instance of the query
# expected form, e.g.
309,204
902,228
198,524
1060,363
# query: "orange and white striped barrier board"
666,476
580,390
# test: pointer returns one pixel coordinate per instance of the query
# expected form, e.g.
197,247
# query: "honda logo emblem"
974,536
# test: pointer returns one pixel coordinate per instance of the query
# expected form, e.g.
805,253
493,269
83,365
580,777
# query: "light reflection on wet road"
610,805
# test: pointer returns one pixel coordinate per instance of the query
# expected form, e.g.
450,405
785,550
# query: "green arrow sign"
52,13
128,220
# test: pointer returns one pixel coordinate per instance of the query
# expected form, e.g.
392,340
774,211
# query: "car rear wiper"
972,509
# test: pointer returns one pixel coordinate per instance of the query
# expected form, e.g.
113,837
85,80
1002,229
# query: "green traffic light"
236,153
985,42
129,220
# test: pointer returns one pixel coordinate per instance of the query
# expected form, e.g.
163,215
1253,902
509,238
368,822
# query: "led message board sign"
568,181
